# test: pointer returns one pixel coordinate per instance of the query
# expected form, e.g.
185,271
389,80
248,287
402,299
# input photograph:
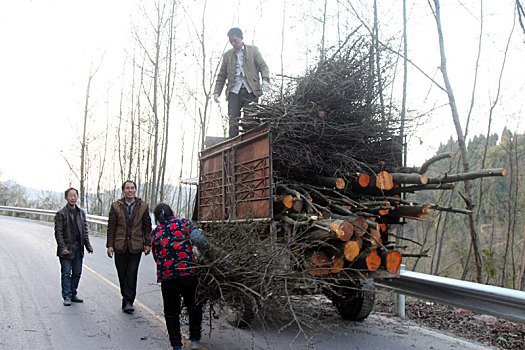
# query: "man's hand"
147,250
110,252
265,86
64,252
216,98
90,249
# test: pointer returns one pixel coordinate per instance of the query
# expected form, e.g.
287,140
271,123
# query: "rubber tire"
240,316
357,306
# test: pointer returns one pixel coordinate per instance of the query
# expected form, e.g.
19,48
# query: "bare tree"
465,267
158,71
322,49
521,15
83,143
467,197
167,94
405,80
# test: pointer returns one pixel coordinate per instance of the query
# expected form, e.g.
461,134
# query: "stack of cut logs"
346,222
338,174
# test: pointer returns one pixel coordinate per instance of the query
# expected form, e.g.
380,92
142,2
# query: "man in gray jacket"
241,67
71,234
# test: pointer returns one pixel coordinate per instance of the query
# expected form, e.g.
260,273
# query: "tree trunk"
462,147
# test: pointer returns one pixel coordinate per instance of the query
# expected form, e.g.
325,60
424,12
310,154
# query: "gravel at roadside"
484,329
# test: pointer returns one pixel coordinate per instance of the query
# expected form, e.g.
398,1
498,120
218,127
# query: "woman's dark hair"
162,212
235,31
131,182
70,189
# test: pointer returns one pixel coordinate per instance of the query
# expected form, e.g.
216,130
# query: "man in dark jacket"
128,235
71,234
242,68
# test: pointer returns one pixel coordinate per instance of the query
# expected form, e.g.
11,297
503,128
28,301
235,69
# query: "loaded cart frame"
236,179
236,185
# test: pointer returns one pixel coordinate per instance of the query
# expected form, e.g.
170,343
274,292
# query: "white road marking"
150,314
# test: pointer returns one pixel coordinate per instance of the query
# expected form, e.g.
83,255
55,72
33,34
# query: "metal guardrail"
485,299
95,219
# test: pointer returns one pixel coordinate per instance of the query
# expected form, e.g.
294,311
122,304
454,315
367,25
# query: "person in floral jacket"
172,245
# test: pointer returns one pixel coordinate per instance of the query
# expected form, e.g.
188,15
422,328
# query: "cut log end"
373,261
359,241
363,180
298,205
320,264
348,230
351,250
393,261
288,201
384,181
423,178
361,225
337,265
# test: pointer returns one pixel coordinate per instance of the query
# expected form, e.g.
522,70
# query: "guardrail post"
400,298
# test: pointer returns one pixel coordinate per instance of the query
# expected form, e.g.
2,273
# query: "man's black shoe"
67,301
76,299
128,307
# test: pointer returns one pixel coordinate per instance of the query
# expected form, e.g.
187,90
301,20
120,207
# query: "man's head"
235,36
71,196
129,189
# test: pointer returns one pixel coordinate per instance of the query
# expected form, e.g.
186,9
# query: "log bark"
334,182
319,235
401,178
414,211
468,176
432,160
412,189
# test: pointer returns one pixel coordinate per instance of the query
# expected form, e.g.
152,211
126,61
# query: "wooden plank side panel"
235,178
252,179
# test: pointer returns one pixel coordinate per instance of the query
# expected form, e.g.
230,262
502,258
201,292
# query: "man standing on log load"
241,66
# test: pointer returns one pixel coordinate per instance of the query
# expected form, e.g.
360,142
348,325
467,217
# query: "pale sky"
49,45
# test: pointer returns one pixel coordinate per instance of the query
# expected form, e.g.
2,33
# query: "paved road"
32,315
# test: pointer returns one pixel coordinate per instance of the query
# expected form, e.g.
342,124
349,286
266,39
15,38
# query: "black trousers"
235,103
127,269
172,291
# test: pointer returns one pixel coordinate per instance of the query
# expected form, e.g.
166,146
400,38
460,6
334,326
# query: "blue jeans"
70,270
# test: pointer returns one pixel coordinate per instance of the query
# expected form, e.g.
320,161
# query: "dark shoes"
76,299
67,301
128,307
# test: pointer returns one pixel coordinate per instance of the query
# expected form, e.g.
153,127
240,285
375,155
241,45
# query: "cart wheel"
240,316
356,305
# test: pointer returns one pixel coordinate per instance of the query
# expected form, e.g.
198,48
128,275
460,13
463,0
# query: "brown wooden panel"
235,178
